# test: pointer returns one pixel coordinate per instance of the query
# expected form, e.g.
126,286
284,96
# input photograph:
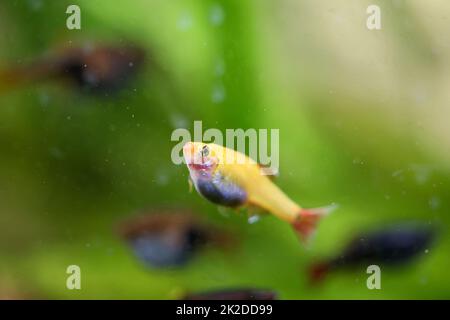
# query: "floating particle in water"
216,15
253,219
218,94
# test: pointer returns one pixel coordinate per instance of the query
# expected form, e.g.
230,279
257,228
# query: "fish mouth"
194,161
199,166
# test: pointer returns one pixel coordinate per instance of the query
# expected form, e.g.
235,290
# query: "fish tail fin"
306,223
318,272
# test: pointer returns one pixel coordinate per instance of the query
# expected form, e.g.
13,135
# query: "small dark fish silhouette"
94,68
233,294
395,245
169,239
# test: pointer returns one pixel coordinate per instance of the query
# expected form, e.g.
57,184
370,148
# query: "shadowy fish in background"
395,245
169,239
233,294
94,68
238,182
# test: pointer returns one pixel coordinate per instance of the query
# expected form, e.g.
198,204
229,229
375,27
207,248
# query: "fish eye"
205,151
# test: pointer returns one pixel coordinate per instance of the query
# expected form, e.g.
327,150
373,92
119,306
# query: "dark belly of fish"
159,250
221,192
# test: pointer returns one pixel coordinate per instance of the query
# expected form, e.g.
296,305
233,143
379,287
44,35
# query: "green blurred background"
363,118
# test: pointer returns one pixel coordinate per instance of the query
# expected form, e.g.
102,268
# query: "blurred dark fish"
169,239
94,68
233,294
395,245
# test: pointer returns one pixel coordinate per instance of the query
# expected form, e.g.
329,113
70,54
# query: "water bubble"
434,202
420,95
178,121
185,21
422,173
219,68
218,94
162,179
56,153
216,15
397,173
398,3
44,99
424,281
35,4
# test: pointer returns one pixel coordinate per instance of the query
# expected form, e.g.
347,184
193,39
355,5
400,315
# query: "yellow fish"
230,178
